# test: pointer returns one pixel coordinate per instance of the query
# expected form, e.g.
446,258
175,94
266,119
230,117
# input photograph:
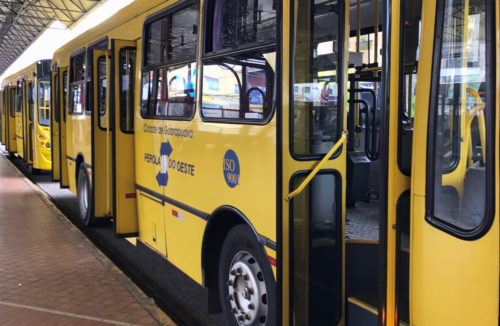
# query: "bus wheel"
83,193
246,281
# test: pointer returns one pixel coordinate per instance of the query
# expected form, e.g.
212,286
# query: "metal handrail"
318,166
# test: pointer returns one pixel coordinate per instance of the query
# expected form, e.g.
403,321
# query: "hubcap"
83,194
247,290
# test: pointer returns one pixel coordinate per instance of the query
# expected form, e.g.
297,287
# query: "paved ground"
180,297
50,274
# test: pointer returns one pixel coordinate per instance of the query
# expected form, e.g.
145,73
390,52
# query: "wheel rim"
247,290
83,194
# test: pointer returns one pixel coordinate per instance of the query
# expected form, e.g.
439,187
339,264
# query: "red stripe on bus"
272,260
130,195
174,213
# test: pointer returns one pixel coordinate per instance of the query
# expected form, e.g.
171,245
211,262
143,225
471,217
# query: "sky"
57,35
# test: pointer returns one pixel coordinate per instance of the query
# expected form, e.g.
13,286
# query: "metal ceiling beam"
22,21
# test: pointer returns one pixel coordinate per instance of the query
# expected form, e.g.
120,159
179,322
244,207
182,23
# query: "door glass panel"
44,103
460,162
101,92
316,251
127,81
316,100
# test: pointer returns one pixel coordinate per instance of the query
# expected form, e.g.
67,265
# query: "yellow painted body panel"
453,281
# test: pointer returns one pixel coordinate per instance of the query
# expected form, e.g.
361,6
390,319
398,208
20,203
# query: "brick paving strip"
51,274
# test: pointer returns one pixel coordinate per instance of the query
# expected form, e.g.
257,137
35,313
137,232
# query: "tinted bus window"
19,97
169,78
12,102
65,93
239,86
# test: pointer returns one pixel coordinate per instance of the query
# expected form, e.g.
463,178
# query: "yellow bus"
9,118
309,162
29,97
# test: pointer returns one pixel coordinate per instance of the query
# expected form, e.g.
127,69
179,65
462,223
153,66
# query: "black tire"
84,194
244,265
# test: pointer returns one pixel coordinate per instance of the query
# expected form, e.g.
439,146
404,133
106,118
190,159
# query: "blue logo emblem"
162,176
231,168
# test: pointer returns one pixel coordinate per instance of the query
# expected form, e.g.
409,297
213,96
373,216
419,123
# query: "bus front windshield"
44,103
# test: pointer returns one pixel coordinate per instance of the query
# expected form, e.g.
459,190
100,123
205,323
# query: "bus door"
19,119
55,117
101,135
63,98
313,163
123,82
30,103
26,143
454,209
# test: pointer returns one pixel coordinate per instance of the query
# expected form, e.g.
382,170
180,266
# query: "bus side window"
239,86
77,84
169,73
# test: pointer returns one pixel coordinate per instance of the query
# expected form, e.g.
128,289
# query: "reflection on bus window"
172,37
238,23
460,163
44,103
239,88
169,92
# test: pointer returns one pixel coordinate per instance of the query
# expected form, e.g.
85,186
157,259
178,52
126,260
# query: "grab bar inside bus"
318,166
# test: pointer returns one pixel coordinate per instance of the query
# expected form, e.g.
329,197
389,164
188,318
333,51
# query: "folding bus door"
313,163
124,65
63,97
455,228
101,136
55,118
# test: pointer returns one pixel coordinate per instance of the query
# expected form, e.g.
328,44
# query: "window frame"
69,106
40,82
241,50
132,84
148,68
12,101
340,93
401,85
490,107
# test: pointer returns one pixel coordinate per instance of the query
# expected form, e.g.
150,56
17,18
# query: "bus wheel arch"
219,223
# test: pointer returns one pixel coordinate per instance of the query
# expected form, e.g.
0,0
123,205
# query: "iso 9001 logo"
231,168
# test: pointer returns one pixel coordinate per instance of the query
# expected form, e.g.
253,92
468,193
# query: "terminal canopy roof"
22,21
